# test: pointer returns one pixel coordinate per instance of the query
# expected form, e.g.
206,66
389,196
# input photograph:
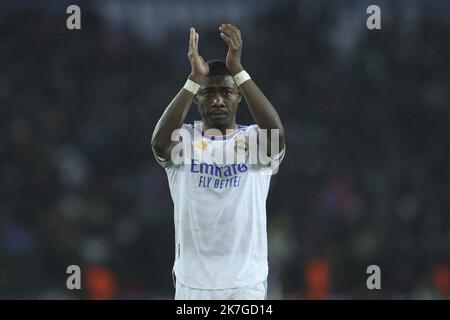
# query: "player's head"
218,97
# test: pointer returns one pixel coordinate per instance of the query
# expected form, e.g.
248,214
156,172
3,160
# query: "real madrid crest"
240,146
201,145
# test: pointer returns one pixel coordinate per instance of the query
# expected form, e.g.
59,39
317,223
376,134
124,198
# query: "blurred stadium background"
366,177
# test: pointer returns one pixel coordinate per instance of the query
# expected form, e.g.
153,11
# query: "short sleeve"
186,129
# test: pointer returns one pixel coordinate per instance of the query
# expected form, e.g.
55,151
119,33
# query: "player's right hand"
199,69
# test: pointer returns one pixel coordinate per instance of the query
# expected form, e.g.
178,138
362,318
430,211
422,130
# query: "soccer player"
220,207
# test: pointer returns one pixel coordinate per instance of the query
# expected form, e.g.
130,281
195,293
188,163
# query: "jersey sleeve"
177,149
162,162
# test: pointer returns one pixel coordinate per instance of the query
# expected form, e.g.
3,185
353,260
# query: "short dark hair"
218,68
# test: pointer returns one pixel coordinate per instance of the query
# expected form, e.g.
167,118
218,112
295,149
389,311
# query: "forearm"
172,119
262,110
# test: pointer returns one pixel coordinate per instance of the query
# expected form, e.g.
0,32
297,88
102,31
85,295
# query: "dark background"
365,179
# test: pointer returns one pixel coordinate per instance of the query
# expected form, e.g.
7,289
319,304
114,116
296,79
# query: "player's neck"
225,130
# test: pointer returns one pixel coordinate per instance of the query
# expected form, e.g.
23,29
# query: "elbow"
279,132
282,137
159,148
156,146
155,142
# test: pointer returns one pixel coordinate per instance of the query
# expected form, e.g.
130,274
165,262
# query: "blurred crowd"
365,180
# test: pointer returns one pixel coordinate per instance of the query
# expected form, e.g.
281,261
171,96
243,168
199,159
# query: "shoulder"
247,128
188,126
186,130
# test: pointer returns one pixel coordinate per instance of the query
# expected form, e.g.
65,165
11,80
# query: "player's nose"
217,101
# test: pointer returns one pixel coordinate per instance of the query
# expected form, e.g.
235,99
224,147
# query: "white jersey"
220,211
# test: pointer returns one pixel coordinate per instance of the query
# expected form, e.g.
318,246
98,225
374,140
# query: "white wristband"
191,86
241,77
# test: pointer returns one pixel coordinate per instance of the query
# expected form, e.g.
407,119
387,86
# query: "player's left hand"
232,36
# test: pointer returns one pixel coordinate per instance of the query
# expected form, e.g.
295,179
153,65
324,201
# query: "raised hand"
199,69
232,36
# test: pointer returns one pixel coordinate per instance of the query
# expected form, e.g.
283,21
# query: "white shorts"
256,291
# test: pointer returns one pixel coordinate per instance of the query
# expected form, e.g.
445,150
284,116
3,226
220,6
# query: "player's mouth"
218,115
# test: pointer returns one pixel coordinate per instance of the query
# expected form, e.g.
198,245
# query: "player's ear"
195,100
239,96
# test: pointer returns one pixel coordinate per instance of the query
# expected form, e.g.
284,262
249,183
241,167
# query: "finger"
232,34
226,39
229,37
197,36
235,38
237,34
191,40
232,27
